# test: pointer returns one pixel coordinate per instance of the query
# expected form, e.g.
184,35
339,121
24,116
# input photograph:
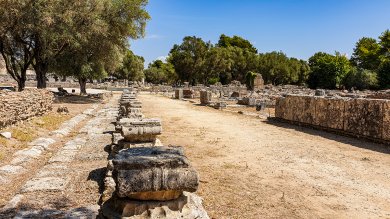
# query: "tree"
235,41
361,79
189,59
132,67
327,71
16,47
384,74
159,72
366,54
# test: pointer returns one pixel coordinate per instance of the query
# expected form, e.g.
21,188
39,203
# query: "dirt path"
251,168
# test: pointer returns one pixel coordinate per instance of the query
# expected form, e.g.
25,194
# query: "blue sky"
299,28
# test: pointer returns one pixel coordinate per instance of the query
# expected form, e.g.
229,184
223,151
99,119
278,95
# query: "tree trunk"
41,70
83,85
21,84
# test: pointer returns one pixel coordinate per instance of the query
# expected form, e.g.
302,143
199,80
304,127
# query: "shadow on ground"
356,142
98,175
77,99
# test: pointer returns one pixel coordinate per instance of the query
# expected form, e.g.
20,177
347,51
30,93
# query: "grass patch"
51,121
23,135
3,142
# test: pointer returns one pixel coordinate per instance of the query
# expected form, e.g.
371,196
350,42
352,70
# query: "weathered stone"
187,206
188,94
330,113
220,105
386,120
140,130
179,94
63,109
18,106
364,117
45,184
153,173
320,92
6,135
205,97
360,116
11,169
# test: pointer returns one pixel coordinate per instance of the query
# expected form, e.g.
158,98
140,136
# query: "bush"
384,75
361,79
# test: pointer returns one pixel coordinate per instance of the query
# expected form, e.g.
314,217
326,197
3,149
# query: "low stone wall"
369,118
17,106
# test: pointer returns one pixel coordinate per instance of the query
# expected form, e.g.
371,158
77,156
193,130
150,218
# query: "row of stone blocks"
368,118
145,179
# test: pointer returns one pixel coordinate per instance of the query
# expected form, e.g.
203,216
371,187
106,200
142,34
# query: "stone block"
179,94
188,94
153,173
140,130
205,97
386,120
187,206
364,117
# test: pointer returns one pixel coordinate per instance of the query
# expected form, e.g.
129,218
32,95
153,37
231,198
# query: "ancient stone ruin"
18,106
362,117
205,97
145,179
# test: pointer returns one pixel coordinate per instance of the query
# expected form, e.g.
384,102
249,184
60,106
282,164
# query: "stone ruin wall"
361,117
18,106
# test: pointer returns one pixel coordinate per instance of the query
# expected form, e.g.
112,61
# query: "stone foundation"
369,118
18,106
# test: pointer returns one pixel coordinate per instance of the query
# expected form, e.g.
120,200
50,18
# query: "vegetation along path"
252,168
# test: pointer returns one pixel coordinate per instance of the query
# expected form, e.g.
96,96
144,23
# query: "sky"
299,28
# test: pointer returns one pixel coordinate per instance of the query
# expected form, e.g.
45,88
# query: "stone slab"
45,184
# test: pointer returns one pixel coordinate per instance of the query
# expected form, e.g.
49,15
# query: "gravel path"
252,168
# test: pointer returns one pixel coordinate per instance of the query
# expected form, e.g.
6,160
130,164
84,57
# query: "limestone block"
386,120
188,93
205,97
187,206
179,94
364,117
153,173
280,107
140,130
329,113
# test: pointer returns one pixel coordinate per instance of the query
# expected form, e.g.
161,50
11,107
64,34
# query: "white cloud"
162,58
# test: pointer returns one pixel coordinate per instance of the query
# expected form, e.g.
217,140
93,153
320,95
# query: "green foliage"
327,71
361,79
90,36
250,79
132,67
159,72
189,59
276,68
235,41
103,41
366,54
384,74
213,81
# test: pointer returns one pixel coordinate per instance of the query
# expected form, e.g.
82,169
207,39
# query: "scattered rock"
6,135
62,110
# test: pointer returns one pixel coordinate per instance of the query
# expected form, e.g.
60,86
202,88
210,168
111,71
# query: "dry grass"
51,121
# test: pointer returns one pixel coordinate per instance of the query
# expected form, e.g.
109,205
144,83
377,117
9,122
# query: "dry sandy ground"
251,168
